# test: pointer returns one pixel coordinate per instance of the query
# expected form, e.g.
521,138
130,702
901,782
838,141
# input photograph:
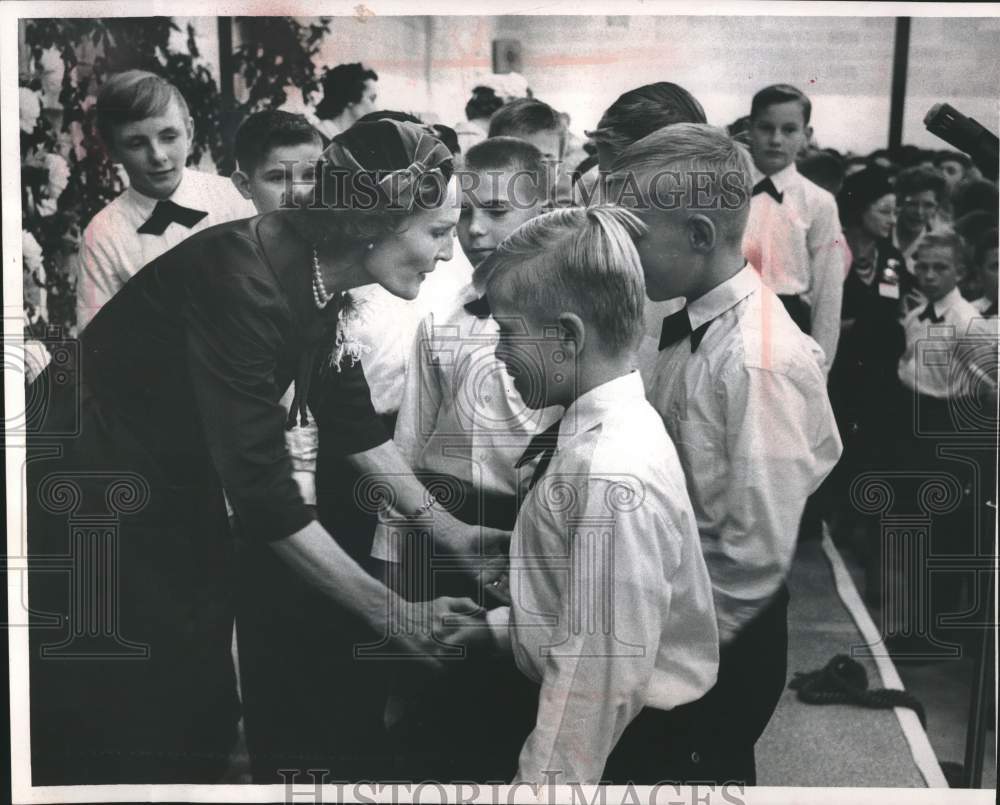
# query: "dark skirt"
309,702
131,589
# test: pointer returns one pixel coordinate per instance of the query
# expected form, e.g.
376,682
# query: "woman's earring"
371,246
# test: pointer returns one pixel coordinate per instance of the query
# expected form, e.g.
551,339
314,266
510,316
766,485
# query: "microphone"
965,134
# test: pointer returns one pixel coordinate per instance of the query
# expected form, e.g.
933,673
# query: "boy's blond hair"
945,238
574,260
690,166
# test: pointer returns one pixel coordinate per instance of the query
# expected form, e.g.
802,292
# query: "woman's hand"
429,631
461,538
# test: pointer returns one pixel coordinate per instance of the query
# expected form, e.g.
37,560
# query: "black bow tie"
929,313
480,308
677,326
765,185
166,213
542,444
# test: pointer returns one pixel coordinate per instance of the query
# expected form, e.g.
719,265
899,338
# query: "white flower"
58,169
31,109
53,68
31,252
178,41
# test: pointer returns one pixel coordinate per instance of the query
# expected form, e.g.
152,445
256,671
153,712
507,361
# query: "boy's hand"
472,632
496,582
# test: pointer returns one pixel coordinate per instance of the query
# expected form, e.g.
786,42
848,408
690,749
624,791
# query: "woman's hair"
342,86
689,153
974,194
373,176
483,103
263,131
573,260
133,96
860,191
918,179
642,111
953,156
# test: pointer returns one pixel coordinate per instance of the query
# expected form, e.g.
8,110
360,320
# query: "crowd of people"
525,515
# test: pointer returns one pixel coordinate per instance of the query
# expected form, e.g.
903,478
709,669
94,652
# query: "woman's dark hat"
383,165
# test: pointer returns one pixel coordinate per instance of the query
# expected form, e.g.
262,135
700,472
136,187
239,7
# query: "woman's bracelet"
431,502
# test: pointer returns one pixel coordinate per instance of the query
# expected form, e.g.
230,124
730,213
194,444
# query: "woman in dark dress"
863,380
177,398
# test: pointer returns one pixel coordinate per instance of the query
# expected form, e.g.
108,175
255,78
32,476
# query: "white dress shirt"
749,413
460,414
386,325
932,362
798,246
113,250
612,604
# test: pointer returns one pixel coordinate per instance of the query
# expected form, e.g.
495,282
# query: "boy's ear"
701,233
572,332
189,127
808,130
242,183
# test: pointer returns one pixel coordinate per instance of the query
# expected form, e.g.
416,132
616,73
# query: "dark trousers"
712,740
799,310
469,723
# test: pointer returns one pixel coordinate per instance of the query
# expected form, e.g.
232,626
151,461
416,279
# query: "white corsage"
346,344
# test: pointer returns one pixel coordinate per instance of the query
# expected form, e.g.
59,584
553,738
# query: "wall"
581,64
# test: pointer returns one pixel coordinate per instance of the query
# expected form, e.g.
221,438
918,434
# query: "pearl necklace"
321,296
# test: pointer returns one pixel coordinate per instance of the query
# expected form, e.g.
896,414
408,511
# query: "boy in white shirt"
742,394
460,418
793,236
930,367
948,373
145,124
462,426
611,607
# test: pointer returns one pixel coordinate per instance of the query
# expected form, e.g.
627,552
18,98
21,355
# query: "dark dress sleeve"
342,404
236,325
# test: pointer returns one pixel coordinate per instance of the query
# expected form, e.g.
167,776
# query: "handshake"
435,631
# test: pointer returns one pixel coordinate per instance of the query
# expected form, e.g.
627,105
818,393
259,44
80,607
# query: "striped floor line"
920,745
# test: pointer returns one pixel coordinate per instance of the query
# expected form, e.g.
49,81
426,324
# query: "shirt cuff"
499,622
384,548
307,486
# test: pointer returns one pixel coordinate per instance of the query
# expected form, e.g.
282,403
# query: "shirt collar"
591,408
947,302
184,194
781,180
722,297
